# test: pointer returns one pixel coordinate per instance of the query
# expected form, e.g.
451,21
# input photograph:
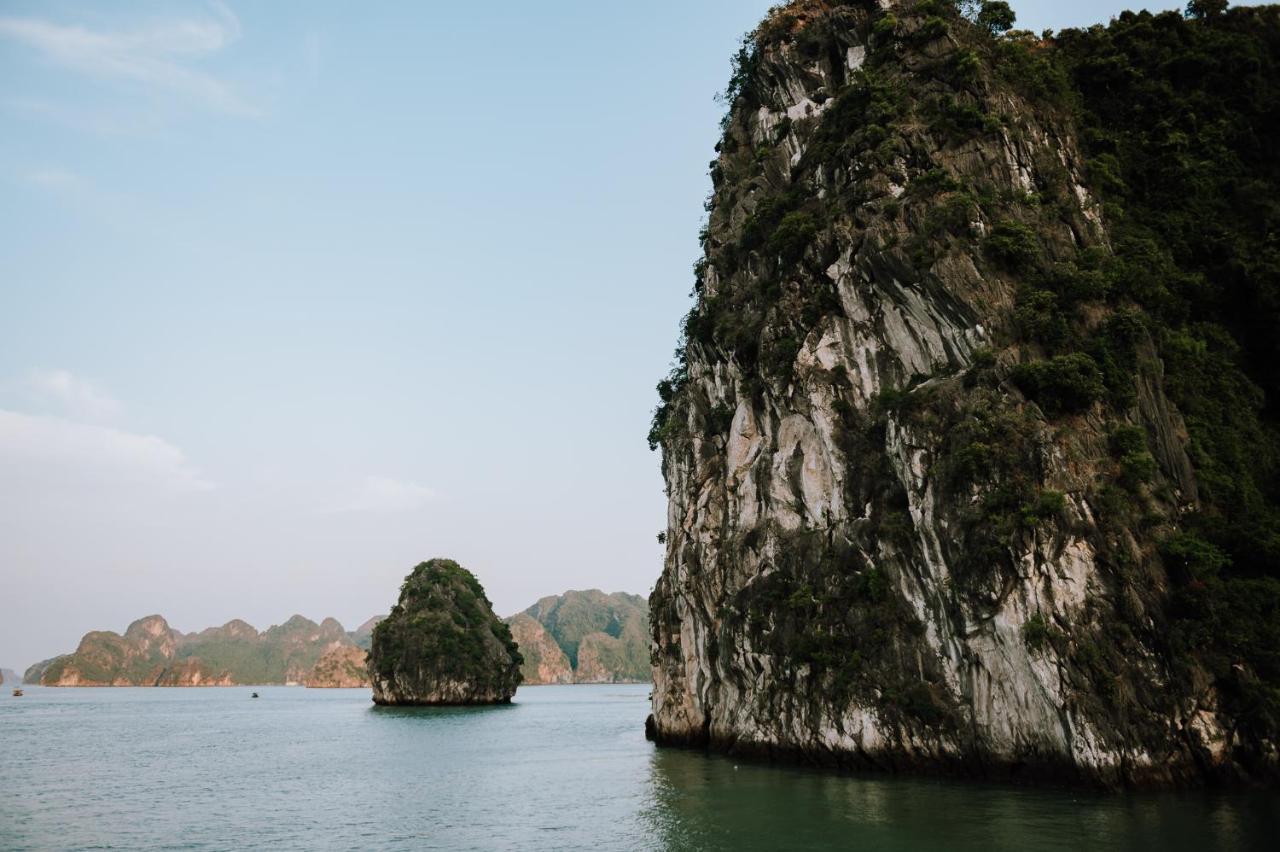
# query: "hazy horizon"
298,296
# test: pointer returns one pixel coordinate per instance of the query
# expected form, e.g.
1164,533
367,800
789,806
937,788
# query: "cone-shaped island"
442,643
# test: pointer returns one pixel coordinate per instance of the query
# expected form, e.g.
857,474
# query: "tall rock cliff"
930,497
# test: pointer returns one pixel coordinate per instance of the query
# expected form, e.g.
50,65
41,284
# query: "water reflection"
707,802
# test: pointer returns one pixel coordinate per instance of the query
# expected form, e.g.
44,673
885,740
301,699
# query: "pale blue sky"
296,294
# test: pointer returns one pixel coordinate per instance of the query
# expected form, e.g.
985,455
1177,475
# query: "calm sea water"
564,767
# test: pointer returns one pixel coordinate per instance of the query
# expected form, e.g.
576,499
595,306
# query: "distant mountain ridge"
151,653
584,637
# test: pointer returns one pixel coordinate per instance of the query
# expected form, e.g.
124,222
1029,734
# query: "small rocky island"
442,643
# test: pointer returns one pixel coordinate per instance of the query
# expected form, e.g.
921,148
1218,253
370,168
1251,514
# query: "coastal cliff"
967,449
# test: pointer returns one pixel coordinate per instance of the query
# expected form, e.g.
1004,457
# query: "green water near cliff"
564,767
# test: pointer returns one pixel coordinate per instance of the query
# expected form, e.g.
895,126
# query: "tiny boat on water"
255,695
17,693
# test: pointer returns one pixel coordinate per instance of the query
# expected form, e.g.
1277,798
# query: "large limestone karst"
442,643
967,452
584,637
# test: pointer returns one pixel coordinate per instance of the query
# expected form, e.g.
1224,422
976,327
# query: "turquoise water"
564,767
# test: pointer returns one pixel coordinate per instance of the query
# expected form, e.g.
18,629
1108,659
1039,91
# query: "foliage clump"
1014,246
1037,632
1062,384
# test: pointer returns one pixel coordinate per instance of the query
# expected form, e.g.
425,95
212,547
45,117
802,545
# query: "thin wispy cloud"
51,178
157,57
384,495
76,396
44,452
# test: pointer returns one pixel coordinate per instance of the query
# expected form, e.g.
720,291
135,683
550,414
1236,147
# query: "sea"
561,767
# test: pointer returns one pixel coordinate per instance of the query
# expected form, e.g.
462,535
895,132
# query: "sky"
295,295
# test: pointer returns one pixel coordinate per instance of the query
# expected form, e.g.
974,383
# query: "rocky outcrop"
442,643
544,660
9,676
899,534
344,667
597,637
151,653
